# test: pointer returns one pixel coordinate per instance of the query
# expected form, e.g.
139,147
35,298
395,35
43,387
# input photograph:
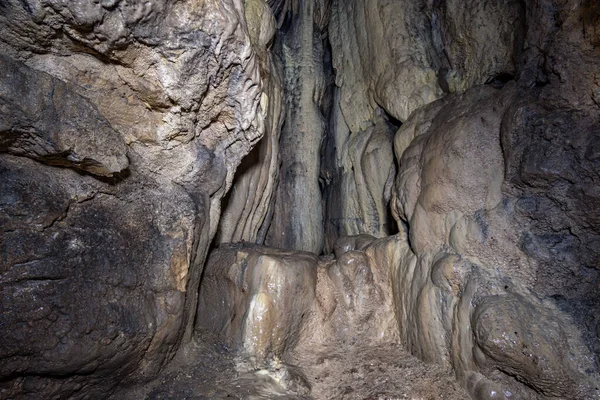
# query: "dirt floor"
207,370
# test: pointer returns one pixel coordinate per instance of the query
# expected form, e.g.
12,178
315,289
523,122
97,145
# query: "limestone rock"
257,299
508,241
248,207
403,55
272,304
94,279
153,75
45,119
461,193
297,215
525,342
357,174
101,275
349,243
477,42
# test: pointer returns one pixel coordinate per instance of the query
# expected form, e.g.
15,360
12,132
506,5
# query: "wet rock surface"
264,297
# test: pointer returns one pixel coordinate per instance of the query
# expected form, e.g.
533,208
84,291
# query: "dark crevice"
498,81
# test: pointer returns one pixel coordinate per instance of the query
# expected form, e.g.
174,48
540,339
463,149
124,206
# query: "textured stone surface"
162,73
122,125
390,59
248,208
100,274
525,342
499,275
93,278
401,55
357,174
272,300
44,119
297,215
257,298
319,327
460,195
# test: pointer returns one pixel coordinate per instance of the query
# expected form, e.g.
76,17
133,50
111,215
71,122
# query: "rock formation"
271,198
121,125
297,212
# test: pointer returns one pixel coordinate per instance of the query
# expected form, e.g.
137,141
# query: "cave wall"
495,190
490,188
248,208
121,127
473,125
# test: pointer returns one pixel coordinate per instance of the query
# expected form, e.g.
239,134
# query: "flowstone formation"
291,315
300,199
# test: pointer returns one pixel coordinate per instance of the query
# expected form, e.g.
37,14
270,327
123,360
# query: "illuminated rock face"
276,307
443,156
272,300
121,127
263,298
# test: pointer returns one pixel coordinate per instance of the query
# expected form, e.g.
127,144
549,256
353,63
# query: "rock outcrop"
121,127
403,55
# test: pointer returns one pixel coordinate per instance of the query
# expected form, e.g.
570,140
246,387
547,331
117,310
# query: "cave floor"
206,370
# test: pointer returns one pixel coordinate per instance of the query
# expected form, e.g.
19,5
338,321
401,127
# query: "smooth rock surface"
257,299
401,55
313,327
467,250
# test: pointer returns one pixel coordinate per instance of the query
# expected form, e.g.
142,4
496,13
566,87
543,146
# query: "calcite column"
297,218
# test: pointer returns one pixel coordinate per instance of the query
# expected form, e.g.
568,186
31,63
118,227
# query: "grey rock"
93,279
43,118
297,215
526,342
99,272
